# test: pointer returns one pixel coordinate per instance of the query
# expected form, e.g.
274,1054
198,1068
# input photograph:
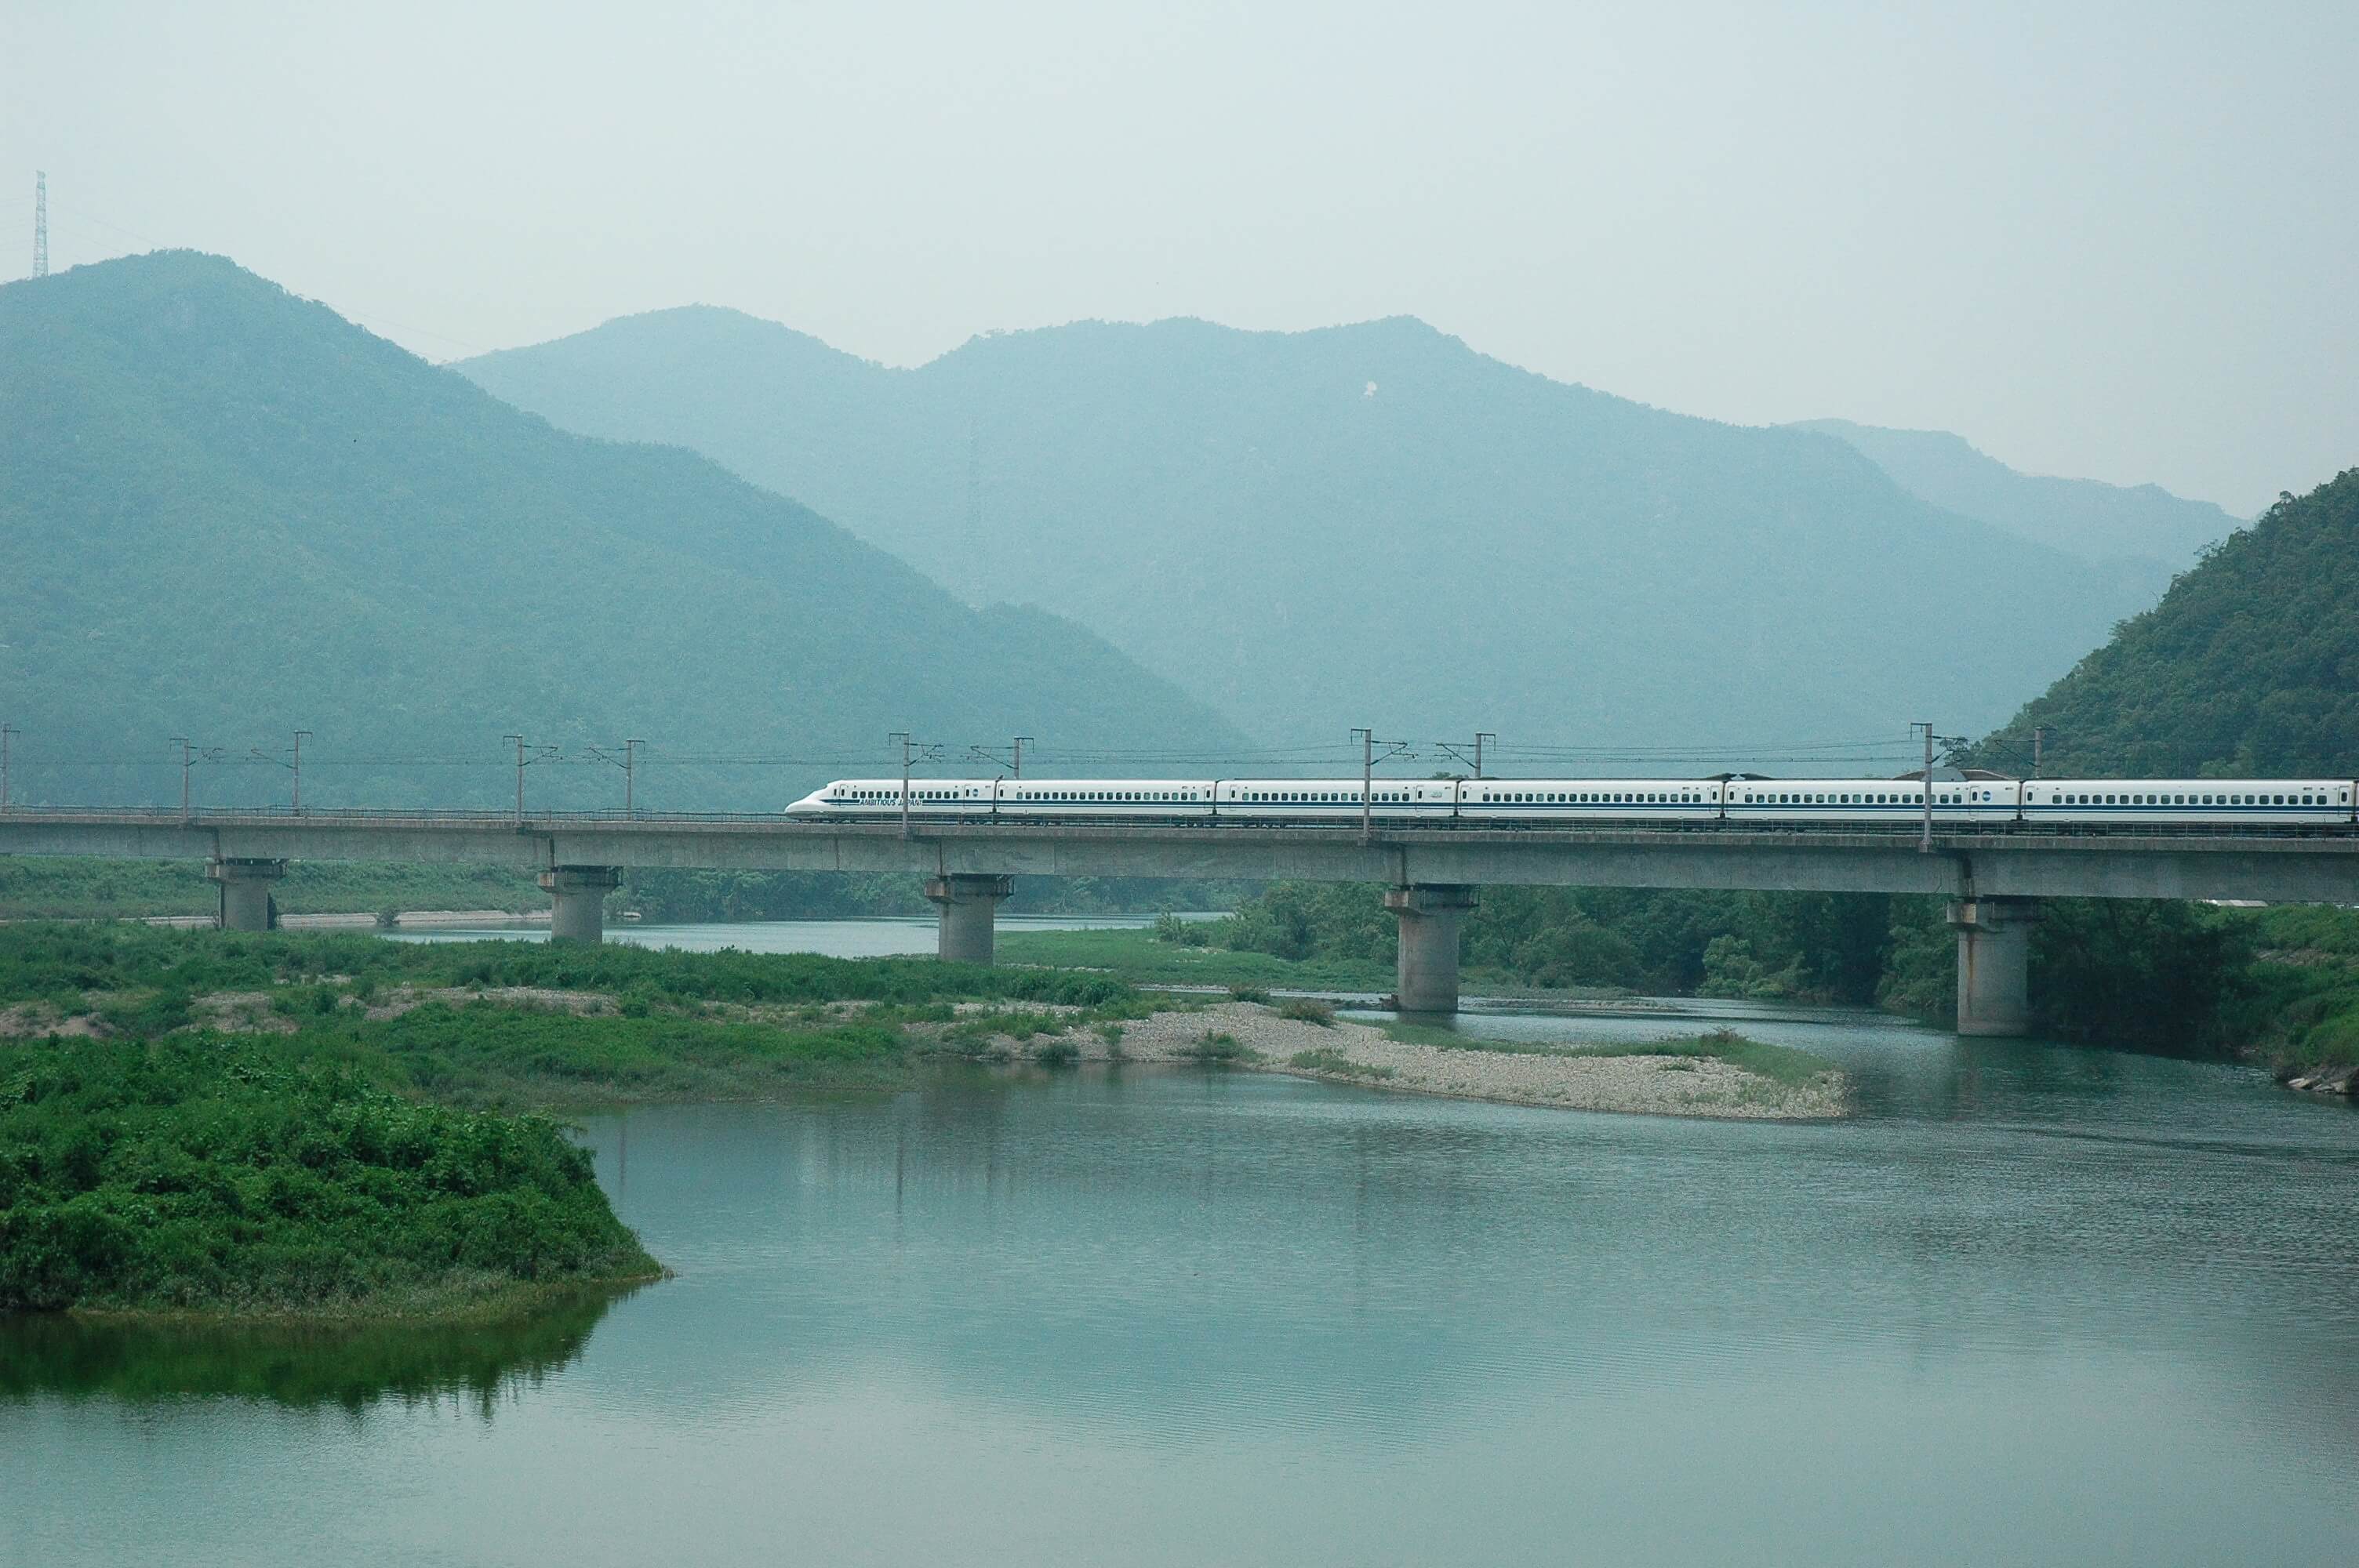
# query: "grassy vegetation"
652,1025
1138,957
493,1055
1326,1059
37,888
46,960
2299,1004
202,1172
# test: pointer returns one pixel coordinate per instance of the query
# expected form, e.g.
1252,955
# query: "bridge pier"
1426,978
577,901
1995,963
244,892
970,907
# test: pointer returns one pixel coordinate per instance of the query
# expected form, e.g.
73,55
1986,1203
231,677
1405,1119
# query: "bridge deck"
2280,865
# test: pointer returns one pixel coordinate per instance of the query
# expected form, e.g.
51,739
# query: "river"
2033,1304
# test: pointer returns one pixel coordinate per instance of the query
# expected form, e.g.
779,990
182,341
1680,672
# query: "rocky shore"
1247,1034
2326,1081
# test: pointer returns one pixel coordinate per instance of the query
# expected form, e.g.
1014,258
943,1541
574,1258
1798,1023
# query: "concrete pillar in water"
1995,963
577,901
1427,978
244,892
970,907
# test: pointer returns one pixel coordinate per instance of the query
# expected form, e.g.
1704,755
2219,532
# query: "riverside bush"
213,1174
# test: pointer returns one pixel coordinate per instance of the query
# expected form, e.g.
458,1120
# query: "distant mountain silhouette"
2248,667
1370,524
229,514
2143,530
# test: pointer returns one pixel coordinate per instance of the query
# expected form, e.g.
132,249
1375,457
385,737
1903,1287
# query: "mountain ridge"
1247,513
237,514
2143,526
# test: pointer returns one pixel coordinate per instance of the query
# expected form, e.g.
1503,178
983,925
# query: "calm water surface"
2035,1304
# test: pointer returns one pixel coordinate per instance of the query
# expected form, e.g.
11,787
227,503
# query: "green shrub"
1058,1053
1307,1010
205,1173
1216,1050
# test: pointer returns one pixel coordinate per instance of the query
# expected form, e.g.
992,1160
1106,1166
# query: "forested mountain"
2142,530
1370,524
228,513
2249,666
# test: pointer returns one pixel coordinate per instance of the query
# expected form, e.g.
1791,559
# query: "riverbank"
337,1126
1694,1078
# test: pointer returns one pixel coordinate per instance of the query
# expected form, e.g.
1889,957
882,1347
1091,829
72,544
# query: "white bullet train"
2078,804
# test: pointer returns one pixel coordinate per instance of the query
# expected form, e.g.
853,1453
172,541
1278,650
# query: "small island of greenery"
190,1173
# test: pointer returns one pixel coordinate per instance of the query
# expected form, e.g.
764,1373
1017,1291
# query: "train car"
1336,800
1574,803
2188,803
1896,803
1153,799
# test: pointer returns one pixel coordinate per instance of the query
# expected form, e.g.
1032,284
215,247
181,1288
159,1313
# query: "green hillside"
2249,666
230,514
1370,524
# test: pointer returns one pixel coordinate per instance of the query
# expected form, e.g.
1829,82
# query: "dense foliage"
680,895
204,1173
1304,528
229,514
67,887
1808,946
57,961
2153,976
2249,667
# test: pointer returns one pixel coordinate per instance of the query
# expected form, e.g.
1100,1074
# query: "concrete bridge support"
1995,963
1427,976
970,907
577,901
244,892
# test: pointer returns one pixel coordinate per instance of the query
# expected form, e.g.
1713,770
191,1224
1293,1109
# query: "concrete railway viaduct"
1993,879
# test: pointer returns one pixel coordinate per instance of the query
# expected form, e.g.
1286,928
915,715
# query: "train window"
2279,801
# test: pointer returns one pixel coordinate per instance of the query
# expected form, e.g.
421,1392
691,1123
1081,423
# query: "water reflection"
349,1366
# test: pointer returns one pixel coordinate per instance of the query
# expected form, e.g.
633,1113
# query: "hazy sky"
2120,242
